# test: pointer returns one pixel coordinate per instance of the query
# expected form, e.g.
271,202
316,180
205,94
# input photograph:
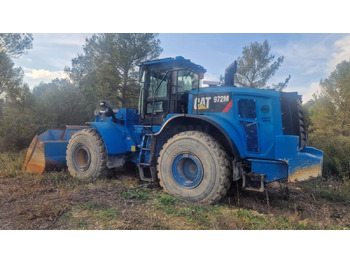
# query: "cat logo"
202,107
212,102
203,103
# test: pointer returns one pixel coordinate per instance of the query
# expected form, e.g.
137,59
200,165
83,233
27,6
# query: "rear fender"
231,135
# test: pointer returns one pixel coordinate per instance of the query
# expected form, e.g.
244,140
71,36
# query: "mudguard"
228,130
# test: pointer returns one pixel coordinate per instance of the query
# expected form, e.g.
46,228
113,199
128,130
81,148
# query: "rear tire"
193,166
86,155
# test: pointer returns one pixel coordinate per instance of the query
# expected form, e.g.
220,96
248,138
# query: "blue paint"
289,159
55,145
187,170
274,170
113,135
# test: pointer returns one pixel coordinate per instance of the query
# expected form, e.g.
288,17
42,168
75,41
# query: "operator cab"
166,86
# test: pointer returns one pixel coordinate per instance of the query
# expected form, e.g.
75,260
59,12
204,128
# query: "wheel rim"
187,170
81,157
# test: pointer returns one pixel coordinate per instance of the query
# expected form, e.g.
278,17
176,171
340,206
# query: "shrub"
336,151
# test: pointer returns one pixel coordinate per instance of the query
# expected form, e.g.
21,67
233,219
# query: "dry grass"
55,200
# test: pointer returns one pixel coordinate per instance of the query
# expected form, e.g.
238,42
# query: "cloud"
211,77
309,58
43,74
307,92
341,52
314,88
319,56
60,39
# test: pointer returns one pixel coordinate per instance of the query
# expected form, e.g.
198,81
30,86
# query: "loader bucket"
47,151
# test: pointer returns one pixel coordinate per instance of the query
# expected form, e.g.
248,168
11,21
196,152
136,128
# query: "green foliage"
137,194
329,127
330,190
52,105
336,151
15,44
167,200
331,113
108,66
82,224
247,219
60,103
12,45
256,66
11,163
306,108
10,76
16,123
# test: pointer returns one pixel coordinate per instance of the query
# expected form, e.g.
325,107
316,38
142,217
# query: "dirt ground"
57,201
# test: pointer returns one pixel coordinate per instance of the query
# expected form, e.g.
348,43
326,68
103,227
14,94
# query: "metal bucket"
47,151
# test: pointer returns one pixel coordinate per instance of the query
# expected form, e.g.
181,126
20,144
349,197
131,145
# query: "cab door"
248,120
156,98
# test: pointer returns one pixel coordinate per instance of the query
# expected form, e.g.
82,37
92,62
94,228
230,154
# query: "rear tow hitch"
253,182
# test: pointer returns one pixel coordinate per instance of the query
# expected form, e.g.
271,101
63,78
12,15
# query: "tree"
256,66
331,112
330,121
10,76
17,127
108,66
12,45
59,103
15,44
49,105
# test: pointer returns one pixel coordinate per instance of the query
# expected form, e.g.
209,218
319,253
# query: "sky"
308,57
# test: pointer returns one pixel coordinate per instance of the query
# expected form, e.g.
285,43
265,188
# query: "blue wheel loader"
194,140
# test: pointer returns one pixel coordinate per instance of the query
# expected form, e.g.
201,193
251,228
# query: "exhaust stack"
230,72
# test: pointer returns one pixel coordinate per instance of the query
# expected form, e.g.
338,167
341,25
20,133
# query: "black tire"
86,155
211,168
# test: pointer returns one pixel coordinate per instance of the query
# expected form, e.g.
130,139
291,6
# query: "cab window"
157,86
184,81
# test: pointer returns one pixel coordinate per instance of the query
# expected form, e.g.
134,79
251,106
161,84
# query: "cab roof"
170,63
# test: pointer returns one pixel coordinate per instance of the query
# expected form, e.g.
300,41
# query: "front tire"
193,166
86,155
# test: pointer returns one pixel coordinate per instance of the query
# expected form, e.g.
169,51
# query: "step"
148,179
144,164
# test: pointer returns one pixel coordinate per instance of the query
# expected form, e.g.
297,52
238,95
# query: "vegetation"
256,66
12,45
108,67
55,200
329,121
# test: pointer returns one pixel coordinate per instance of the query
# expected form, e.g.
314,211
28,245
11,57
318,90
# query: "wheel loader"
194,140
